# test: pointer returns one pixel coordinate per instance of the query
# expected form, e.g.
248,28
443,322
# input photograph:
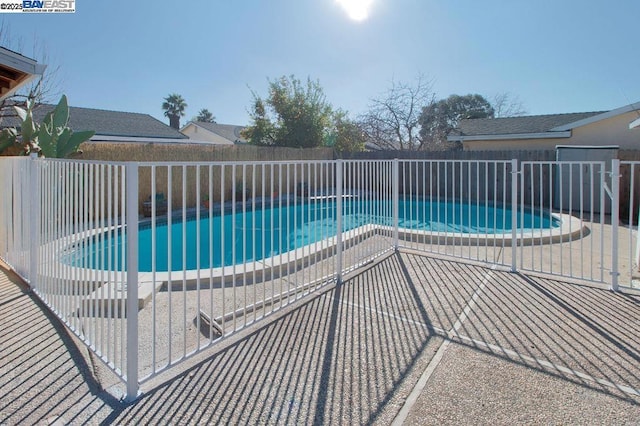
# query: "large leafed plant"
51,138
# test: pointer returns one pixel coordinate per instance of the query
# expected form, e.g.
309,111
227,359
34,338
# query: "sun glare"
358,10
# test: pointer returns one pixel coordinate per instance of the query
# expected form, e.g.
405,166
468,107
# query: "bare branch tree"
43,89
507,105
393,120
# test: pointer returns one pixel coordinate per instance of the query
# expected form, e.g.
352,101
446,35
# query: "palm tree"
174,106
205,116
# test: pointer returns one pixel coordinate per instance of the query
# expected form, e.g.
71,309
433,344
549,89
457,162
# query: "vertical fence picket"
339,207
132,279
35,218
615,219
514,214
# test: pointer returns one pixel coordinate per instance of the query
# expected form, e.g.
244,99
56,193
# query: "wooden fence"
413,179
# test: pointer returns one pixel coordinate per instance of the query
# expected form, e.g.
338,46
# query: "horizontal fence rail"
150,263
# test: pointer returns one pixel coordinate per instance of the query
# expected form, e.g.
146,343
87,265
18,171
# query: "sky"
554,56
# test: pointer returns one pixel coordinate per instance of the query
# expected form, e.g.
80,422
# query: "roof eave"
187,125
111,138
510,136
595,118
199,127
26,68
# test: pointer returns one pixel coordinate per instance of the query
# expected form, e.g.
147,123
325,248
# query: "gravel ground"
488,389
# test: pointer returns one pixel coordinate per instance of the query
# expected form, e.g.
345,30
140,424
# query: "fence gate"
581,202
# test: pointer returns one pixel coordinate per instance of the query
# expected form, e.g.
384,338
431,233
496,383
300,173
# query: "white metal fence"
151,263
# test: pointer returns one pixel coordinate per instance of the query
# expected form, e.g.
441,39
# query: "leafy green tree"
293,115
348,136
52,138
174,106
205,116
263,130
439,118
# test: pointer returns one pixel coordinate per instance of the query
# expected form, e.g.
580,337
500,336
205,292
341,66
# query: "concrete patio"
411,339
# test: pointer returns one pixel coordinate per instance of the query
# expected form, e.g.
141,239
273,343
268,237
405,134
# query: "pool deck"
409,340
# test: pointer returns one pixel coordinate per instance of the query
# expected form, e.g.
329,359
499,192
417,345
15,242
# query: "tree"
205,116
393,120
407,117
507,105
294,115
347,136
262,131
174,106
42,89
439,118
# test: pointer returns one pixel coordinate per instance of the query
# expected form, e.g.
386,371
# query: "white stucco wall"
613,131
198,133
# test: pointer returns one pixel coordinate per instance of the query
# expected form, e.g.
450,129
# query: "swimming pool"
260,232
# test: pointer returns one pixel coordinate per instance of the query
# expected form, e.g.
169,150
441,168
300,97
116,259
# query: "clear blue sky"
554,55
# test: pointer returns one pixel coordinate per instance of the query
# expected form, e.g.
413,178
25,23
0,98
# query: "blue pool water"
269,231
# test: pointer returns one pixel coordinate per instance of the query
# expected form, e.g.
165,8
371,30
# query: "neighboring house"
547,131
221,134
111,126
16,71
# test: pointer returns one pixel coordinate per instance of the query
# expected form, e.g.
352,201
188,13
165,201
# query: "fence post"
637,257
131,217
339,179
396,201
34,221
514,215
615,219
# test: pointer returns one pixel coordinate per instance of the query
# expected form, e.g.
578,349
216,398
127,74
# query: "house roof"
230,132
516,125
532,126
108,123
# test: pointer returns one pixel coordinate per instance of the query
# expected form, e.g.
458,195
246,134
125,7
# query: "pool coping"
99,284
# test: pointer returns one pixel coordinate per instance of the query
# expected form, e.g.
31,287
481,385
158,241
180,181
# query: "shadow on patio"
354,353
